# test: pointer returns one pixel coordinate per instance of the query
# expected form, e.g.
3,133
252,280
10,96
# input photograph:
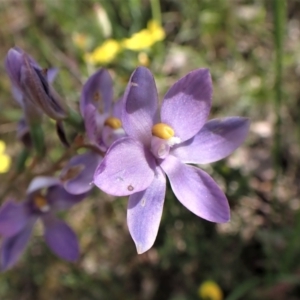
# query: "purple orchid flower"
31,86
17,221
102,117
161,144
103,126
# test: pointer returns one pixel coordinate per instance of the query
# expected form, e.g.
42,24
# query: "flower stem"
279,20
75,120
37,136
155,9
21,160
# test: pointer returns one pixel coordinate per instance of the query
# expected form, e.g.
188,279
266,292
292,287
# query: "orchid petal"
51,74
93,130
117,108
13,62
98,90
197,191
216,140
34,85
13,247
41,182
61,239
13,218
144,212
32,61
140,110
33,114
127,168
82,179
18,95
187,104
59,199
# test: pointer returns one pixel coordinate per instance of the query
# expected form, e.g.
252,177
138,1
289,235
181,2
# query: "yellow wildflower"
209,290
145,38
104,53
158,33
5,160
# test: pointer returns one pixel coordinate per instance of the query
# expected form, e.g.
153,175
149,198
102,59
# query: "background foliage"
252,50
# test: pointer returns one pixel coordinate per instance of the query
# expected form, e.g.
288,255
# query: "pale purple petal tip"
144,212
41,182
126,169
217,139
197,191
61,239
140,110
187,104
13,63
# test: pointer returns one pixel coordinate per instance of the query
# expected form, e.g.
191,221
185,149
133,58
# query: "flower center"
162,131
163,139
41,203
113,122
71,172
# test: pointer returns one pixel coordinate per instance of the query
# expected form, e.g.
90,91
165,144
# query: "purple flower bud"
32,85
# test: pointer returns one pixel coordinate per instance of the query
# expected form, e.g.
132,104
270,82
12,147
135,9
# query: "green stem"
75,120
21,160
155,9
135,7
279,20
37,136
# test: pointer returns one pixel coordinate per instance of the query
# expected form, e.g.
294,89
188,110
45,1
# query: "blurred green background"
252,49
